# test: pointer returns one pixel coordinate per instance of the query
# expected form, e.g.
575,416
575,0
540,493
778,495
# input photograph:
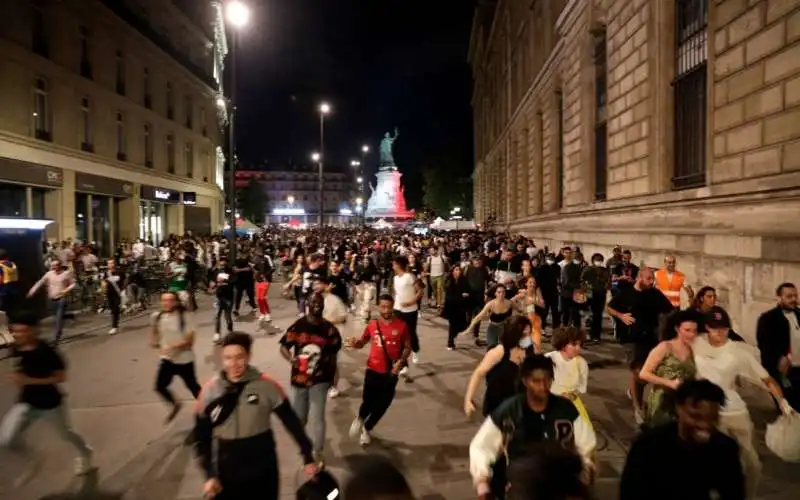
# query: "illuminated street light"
237,13
359,180
355,163
365,149
324,108
456,209
315,157
359,201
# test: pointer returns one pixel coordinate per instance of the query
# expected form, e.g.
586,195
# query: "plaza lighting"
355,163
315,157
359,180
324,108
237,13
359,201
365,149
456,209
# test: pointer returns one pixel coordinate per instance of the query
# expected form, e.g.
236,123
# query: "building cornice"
569,15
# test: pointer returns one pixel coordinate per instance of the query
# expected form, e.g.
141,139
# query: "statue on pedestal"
387,158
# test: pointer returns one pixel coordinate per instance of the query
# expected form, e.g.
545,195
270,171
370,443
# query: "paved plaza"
114,407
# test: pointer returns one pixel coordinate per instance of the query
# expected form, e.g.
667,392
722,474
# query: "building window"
600,132
188,159
691,35
204,129
86,62
41,110
148,96
121,156
39,41
120,73
170,153
188,106
147,142
560,152
86,126
170,102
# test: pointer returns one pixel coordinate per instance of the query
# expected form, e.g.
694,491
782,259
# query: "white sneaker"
365,438
333,392
216,338
83,465
357,427
415,358
404,371
267,318
638,417
113,331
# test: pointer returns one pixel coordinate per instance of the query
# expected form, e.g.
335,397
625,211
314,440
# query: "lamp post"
364,153
324,109
237,14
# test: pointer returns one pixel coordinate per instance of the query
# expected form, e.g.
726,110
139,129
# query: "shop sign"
95,184
161,195
12,170
189,198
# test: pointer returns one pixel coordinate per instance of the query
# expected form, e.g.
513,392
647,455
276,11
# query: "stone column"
89,218
64,206
129,216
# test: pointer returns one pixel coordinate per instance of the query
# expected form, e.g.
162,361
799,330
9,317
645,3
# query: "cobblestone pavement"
114,407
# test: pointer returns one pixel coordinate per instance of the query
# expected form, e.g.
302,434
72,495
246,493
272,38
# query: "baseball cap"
717,317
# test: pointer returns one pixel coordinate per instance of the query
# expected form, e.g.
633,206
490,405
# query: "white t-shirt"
436,263
794,336
571,375
405,291
334,310
169,332
723,364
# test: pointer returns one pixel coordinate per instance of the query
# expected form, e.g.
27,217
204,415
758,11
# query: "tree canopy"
445,186
252,202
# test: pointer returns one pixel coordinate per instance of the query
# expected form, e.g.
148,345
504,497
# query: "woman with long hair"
497,309
531,301
456,305
703,303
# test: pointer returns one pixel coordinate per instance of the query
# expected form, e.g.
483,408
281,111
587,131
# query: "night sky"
379,63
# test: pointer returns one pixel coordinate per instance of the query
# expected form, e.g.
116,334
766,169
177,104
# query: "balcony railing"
162,42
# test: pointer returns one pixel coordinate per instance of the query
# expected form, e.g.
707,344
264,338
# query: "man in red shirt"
388,354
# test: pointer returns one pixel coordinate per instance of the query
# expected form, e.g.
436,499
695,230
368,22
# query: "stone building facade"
658,125
109,123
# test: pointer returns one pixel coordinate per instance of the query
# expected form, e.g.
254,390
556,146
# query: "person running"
723,362
637,310
222,280
335,312
390,346
59,282
177,272
262,297
498,309
234,441
38,373
244,284
172,333
407,294
571,369
524,420
531,302
456,305
311,345
113,284
9,293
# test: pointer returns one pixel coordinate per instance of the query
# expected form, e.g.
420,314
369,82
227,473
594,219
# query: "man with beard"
638,310
778,335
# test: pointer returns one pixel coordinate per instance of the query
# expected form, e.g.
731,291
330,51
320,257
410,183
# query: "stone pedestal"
387,200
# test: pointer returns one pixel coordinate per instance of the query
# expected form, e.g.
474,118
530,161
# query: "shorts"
636,354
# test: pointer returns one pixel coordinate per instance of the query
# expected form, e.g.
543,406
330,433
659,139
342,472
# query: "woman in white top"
570,368
721,360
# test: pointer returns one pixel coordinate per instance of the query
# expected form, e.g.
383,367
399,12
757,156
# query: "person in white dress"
571,369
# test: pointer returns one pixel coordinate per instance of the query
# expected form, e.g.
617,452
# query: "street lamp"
237,15
359,180
315,157
324,109
359,201
365,149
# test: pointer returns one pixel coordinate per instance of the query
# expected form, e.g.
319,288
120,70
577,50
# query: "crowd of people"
542,307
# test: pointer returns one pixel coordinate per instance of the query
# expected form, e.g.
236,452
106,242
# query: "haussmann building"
658,125
108,121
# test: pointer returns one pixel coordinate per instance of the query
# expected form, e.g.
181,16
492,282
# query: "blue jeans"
312,400
60,307
22,415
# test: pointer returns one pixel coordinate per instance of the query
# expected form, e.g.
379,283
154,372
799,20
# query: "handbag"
783,437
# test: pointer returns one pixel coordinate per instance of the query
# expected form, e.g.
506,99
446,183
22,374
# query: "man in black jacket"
778,336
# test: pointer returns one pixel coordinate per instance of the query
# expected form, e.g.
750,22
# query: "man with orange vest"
671,281
8,292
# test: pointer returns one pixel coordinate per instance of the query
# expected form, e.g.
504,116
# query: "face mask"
550,261
598,263
525,342
576,261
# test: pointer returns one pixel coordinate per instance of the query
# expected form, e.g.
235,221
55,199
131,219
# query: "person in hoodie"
234,441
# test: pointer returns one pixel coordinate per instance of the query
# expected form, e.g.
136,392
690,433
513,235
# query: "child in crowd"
571,369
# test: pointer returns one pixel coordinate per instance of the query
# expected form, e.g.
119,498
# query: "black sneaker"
176,408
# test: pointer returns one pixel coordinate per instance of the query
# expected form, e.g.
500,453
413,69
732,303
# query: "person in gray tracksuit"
234,441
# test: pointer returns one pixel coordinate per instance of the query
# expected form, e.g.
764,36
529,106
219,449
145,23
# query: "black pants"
167,370
241,289
551,307
792,394
224,306
113,301
598,305
499,481
379,389
570,312
456,324
410,319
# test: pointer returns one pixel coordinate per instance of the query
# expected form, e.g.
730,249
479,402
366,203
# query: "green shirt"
177,282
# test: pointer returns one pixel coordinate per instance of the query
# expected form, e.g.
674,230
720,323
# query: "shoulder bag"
383,346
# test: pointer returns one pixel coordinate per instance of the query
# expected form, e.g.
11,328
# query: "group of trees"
251,202
446,184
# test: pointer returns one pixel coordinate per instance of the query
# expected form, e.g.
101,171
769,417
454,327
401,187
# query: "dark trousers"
410,319
551,308
224,306
455,325
792,394
598,305
114,306
167,370
499,481
570,312
245,288
378,394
